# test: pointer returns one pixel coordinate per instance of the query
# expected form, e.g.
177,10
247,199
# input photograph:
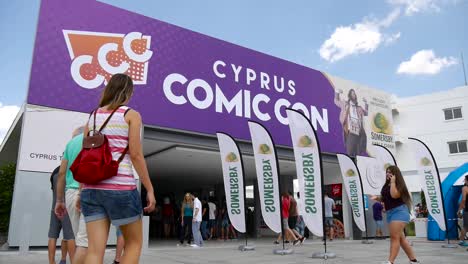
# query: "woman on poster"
351,118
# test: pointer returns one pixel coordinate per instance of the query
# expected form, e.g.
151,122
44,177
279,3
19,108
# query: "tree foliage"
7,181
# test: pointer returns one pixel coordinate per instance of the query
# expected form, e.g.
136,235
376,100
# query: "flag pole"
283,251
242,247
325,255
367,241
441,195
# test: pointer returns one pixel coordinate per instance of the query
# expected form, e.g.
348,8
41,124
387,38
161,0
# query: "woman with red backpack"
114,198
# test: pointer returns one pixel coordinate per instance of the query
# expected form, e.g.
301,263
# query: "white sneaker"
194,245
385,262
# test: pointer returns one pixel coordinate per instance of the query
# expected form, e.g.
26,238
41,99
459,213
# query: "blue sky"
405,47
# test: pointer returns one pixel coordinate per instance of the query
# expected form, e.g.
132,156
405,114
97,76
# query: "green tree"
423,205
7,180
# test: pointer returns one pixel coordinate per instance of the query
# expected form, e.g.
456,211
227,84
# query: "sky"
404,47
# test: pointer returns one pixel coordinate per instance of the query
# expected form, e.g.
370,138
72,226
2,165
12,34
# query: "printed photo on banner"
365,117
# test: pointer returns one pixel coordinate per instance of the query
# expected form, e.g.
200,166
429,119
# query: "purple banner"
183,80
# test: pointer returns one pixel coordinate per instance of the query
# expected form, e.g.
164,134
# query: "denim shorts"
118,232
329,222
212,223
225,223
400,214
120,207
379,224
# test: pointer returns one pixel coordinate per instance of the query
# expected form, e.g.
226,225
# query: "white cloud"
392,38
417,6
424,62
7,116
367,35
359,38
386,22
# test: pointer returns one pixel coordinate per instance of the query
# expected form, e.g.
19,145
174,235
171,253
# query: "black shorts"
465,219
292,221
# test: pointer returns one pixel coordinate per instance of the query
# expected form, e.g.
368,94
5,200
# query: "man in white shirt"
212,219
197,219
329,207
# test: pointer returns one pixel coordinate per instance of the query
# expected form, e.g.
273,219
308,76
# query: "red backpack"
94,163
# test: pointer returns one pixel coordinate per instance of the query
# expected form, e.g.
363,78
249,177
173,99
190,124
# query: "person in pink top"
116,200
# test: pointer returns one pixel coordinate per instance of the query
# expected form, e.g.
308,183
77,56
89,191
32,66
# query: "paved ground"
226,252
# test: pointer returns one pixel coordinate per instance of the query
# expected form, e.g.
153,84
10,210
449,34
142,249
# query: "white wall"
44,131
33,197
423,117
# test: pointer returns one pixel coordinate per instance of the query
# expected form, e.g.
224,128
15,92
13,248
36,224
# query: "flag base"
367,242
246,247
286,251
324,255
449,246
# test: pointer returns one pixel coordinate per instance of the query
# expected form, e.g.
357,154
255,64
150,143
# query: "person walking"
300,226
212,218
205,219
223,215
293,217
56,225
397,203
197,219
186,213
119,248
116,200
463,212
329,222
168,217
377,210
288,233
68,195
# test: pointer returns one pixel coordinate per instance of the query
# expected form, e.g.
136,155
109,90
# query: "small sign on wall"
44,137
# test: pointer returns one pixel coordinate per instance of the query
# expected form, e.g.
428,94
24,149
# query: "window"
457,147
453,113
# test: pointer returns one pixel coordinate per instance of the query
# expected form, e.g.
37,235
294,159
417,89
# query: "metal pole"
363,204
284,251
245,193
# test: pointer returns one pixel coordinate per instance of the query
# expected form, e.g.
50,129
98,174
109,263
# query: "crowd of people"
174,219
85,211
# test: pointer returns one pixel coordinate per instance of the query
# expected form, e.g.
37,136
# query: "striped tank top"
116,131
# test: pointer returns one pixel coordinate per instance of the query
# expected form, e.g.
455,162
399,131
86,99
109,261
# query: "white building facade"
440,120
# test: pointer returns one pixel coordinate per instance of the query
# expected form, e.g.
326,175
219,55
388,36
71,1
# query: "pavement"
223,252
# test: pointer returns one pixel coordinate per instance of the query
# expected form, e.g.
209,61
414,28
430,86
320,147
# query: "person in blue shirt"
377,208
186,213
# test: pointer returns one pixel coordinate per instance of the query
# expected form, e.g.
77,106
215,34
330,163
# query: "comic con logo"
96,56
